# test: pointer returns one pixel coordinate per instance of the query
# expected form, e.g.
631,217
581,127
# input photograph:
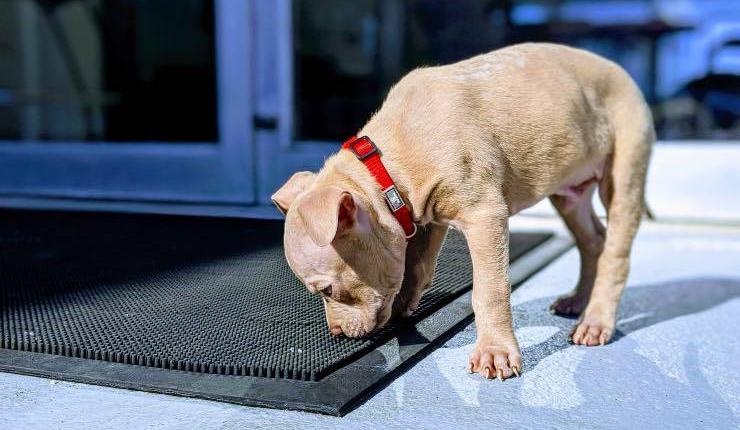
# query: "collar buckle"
362,147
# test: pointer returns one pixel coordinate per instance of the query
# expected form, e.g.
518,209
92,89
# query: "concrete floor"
674,362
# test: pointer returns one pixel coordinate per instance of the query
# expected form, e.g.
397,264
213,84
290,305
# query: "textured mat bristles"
189,294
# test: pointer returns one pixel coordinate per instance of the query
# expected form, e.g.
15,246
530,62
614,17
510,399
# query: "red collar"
366,151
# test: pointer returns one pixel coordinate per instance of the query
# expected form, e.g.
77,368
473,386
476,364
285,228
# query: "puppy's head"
337,248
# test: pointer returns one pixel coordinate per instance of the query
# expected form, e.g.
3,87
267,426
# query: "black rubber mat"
178,295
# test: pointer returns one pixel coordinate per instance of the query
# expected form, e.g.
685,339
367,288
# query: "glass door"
141,100
322,67
279,151
317,78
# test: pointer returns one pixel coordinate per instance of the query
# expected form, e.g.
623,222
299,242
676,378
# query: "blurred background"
217,102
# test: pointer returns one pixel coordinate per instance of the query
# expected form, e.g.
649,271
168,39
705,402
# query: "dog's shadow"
618,375
641,307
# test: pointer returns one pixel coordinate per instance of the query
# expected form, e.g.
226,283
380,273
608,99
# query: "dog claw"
500,375
516,371
470,367
488,372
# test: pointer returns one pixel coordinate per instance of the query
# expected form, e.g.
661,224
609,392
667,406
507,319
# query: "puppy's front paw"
495,360
412,306
593,328
407,301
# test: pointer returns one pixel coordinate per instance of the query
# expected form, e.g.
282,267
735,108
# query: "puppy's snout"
351,329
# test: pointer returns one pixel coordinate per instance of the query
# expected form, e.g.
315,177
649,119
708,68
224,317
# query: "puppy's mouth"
356,329
359,328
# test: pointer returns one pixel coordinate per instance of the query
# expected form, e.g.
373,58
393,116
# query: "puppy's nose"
336,330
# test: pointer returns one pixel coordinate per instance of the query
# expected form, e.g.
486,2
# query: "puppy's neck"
346,170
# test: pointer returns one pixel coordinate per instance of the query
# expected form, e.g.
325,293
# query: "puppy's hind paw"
591,332
570,305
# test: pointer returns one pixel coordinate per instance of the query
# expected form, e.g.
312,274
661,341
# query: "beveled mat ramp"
206,308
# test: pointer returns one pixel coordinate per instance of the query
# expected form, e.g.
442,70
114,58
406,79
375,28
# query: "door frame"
221,172
278,154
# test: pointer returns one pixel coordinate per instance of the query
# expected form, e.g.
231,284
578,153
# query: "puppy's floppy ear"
297,184
328,213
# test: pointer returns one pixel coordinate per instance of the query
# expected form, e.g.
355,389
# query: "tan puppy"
469,145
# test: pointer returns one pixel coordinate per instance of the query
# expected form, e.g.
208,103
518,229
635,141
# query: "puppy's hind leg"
624,196
589,234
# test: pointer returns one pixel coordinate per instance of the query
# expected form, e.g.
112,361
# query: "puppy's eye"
326,291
